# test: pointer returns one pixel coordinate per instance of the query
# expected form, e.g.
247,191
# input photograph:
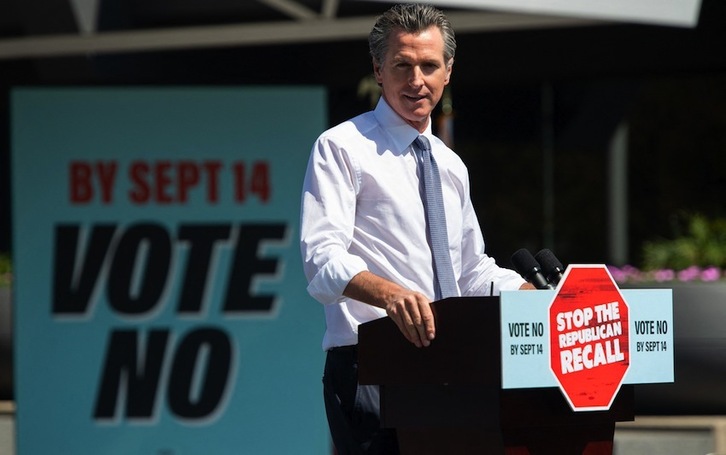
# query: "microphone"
551,266
529,268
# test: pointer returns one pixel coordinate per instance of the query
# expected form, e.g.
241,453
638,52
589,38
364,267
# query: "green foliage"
698,242
5,270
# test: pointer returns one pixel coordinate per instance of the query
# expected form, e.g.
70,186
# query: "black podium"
447,398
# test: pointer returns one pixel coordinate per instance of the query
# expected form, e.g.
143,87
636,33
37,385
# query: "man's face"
413,74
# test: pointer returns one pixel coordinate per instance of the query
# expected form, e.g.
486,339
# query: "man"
365,238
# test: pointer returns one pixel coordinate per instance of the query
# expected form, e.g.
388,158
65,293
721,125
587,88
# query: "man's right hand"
412,314
410,310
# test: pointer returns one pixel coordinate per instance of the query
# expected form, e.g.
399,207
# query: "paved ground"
7,439
651,435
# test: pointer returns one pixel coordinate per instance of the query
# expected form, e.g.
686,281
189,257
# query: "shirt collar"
399,131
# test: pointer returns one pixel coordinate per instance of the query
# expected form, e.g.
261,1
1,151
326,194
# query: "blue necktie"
444,281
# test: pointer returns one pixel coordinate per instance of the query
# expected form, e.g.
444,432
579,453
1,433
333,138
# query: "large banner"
160,304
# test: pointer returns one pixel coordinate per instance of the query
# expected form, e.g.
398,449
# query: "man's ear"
377,72
449,69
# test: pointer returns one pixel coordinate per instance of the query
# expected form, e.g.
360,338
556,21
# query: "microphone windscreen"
548,261
524,262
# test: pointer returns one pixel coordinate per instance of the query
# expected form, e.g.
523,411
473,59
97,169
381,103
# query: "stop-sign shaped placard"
589,342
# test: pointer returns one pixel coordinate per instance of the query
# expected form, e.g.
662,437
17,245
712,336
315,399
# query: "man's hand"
410,310
412,314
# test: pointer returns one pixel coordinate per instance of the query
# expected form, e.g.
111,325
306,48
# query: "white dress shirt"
362,210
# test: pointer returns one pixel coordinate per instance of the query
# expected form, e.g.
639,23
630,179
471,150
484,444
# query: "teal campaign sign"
159,298
525,332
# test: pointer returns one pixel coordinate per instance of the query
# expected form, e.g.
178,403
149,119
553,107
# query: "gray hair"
411,18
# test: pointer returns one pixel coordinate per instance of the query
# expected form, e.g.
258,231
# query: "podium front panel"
466,349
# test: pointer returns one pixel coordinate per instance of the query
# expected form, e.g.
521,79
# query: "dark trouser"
353,410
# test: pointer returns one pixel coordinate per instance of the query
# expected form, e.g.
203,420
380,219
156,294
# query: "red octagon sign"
589,340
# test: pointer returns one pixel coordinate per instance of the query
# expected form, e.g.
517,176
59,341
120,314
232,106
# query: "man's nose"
416,78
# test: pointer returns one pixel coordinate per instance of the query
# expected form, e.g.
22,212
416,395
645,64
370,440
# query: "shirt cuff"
512,283
328,284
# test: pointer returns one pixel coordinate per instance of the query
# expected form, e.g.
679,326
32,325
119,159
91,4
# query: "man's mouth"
414,98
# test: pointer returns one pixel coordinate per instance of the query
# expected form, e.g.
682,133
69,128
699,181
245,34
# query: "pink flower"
664,275
630,274
711,274
689,274
618,274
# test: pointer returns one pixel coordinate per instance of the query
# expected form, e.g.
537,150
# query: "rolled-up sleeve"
327,220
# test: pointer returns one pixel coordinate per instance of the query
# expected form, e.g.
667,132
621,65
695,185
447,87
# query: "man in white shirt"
364,238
